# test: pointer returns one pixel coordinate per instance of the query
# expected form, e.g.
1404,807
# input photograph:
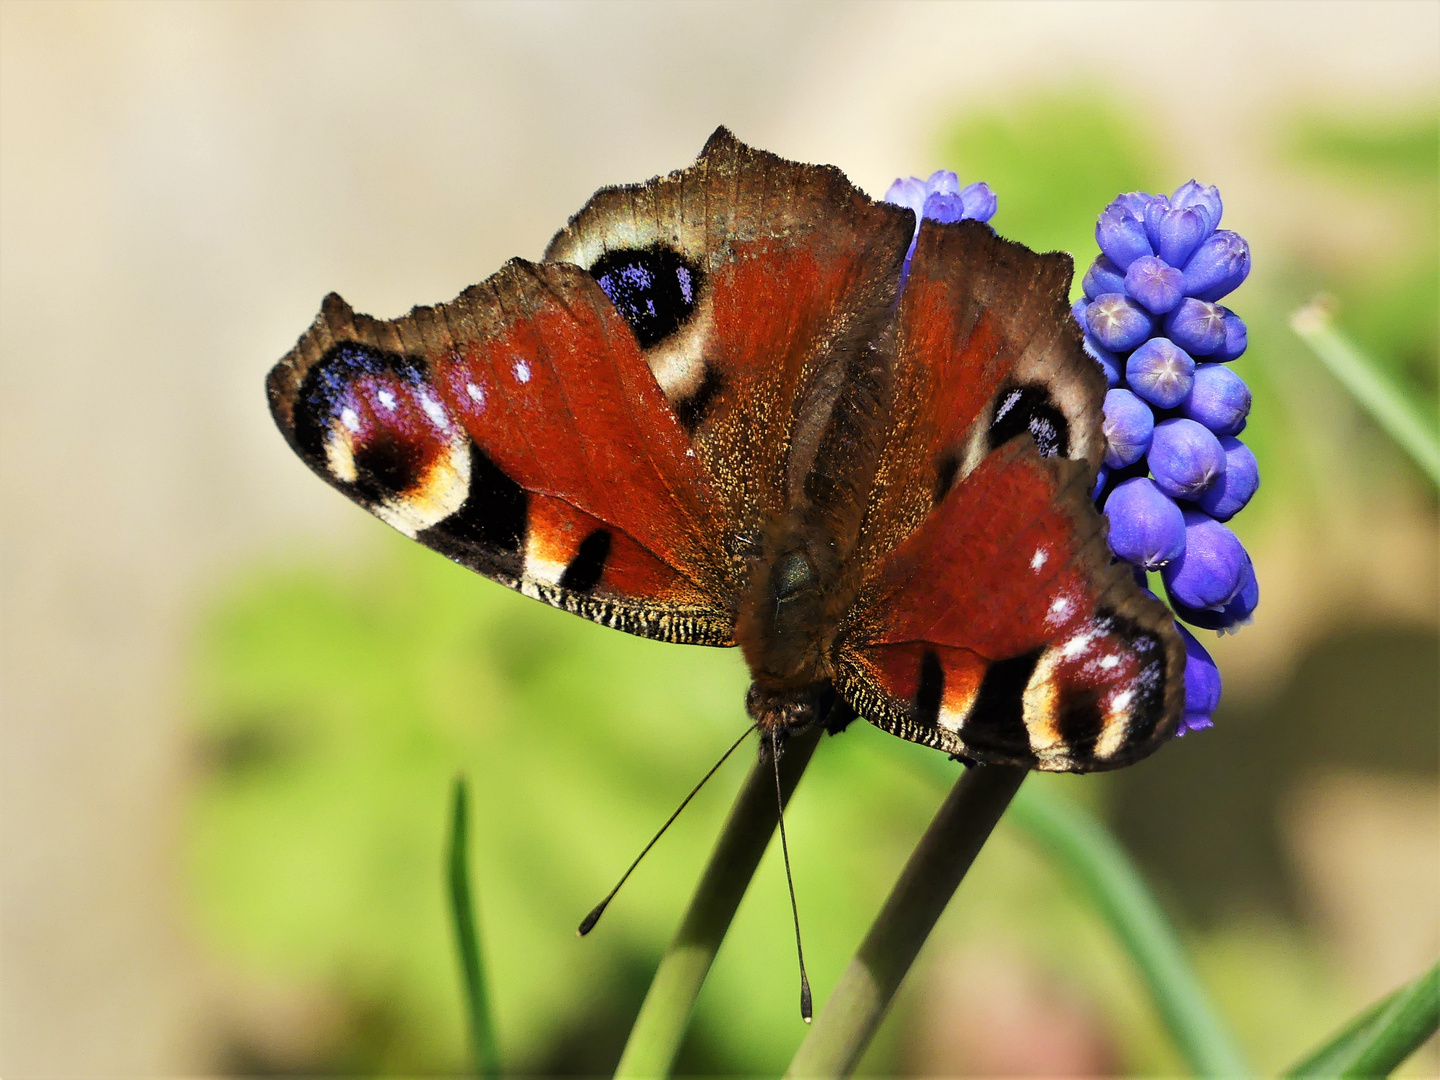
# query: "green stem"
659,1029
1383,1036
1371,387
1079,843
860,1000
485,1056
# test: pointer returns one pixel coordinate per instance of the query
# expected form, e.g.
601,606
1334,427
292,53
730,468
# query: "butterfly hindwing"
518,431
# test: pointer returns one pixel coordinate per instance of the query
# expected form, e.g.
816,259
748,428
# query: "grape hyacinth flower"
940,198
1172,476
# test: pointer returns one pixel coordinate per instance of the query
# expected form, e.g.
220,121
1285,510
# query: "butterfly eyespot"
654,289
1030,408
372,420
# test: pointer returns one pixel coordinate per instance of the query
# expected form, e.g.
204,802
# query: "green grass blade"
934,871
1371,387
1080,844
1378,1040
660,1028
467,938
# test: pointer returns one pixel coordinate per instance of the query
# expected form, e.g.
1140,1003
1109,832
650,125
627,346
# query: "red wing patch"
1000,631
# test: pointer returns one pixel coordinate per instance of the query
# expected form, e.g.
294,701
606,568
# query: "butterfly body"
726,410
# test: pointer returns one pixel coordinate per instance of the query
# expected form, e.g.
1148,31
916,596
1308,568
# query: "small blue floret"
1228,495
1146,527
1196,326
1218,266
1160,372
1120,233
1155,283
1128,425
1209,571
1103,277
1202,685
1186,459
1118,322
1219,399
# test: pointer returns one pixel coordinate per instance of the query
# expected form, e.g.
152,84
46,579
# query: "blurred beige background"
181,183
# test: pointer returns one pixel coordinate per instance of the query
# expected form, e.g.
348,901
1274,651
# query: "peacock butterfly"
725,410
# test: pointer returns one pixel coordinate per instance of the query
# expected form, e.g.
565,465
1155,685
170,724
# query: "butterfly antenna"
806,1010
588,923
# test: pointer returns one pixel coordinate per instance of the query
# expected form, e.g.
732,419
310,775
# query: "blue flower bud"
1146,527
980,202
1174,232
1218,266
1209,571
1228,495
1101,479
1102,277
1236,339
943,206
1109,363
1219,399
1155,283
1118,323
1237,613
1207,199
909,192
1202,685
1196,326
1185,458
942,182
1134,202
1120,233
1127,426
1160,372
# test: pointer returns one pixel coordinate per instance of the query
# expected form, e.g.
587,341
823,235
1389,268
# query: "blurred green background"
235,860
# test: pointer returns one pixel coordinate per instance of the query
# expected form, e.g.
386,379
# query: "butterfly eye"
1031,408
654,289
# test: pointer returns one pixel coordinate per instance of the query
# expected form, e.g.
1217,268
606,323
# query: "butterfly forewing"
518,431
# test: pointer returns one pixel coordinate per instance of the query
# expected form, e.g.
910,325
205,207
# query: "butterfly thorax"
786,626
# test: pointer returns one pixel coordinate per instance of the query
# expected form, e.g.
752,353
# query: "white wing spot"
1076,645
475,394
1059,607
522,371
387,399
1039,559
349,419
435,411
1121,702
1108,662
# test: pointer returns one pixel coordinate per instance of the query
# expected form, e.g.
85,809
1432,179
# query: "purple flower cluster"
940,198
1174,468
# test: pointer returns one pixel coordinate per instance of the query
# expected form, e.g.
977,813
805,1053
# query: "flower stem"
1087,851
1381,1037
659,1029
859,1002
486,1057
1371,387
